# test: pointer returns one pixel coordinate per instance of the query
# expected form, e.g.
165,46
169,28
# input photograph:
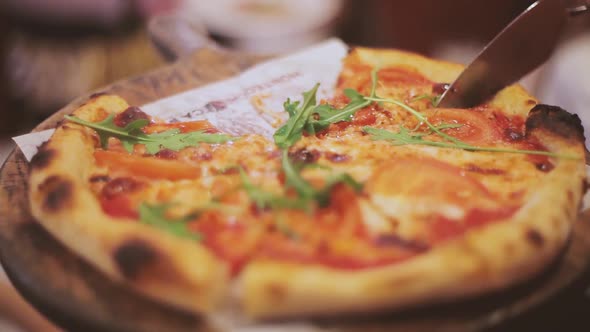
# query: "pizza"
372,200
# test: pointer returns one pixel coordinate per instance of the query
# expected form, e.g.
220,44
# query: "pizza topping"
488,171
131,114
292,130
440,88
469,126
184,127
544,165
99,178
148,167
403,136
306,194
119,206
155,215
442,228
132,134
311,118
304,155
120,186
386,240
167,154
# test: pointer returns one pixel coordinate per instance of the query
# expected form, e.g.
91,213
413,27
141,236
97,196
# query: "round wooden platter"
79,298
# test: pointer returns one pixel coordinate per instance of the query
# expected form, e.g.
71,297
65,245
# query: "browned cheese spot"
535,238
277,293
98,178
43,158
488,171
393,240
304,156
545,166
556,121
130,115
530,103
57,193
133,257
167,154
121,186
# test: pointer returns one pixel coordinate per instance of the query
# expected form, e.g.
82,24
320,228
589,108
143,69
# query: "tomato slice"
231,240
119,206
149,167
477,127
184,127
443,229
428,178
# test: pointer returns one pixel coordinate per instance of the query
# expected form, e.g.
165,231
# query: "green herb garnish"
306,196
324,115
131,134
299,114
311,118
155,215
405,137
267,200
433,99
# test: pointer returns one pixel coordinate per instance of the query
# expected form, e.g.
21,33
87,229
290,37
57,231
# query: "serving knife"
525,44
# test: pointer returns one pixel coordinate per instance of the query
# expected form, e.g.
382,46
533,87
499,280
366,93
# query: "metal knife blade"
522,46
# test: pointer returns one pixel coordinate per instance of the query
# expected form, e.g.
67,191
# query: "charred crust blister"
58,193
43,157
134,256
556,120
534,237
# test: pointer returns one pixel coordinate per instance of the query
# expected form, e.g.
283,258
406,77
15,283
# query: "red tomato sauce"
443,229
119,206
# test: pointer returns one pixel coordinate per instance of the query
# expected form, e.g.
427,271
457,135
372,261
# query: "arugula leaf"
131,134
294,179
307,195
432,98
155,215
404,137
323,195
292,130
421,118
306,192
290,107
311,118
267,200
324,115
451,142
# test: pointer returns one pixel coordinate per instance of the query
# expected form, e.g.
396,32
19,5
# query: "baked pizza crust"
174,270
186,274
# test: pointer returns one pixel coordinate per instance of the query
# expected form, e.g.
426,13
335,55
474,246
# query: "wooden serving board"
74,295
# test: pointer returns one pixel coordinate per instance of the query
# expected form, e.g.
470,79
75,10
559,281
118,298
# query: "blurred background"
52,51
